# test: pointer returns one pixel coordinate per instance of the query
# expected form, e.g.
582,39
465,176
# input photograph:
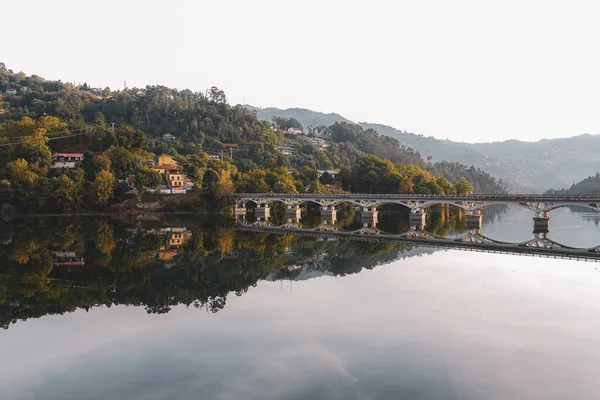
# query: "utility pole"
231,152
221,152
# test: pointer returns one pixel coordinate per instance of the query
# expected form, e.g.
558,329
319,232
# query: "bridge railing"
513,197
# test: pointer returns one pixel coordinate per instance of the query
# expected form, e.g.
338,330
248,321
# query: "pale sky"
463,70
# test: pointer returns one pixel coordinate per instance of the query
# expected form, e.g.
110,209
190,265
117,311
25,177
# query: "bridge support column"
474,221
417,218
369,217
263,212
541,223
293,212
329,215
240,208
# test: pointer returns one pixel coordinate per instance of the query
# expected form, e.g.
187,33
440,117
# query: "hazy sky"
464,70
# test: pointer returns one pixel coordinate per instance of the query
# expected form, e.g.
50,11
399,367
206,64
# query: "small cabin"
66,160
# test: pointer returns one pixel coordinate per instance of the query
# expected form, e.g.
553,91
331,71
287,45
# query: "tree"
52,125
148,178
223,187
445,185
19,172
123,162
34,148
105,240
406,185
284,123
65,194
463,187
326,178
102,189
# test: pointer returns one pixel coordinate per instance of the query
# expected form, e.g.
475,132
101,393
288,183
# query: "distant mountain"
548,163
306,117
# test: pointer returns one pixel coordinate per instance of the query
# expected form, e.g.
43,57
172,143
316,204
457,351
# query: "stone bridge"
417,203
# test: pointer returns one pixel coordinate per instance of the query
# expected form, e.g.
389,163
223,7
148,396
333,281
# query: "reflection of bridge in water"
541,205
539,245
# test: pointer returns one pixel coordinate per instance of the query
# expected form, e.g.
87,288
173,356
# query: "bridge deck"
471,197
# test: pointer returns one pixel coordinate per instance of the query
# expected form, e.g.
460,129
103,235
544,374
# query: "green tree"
463,187
148,178
123,162
65,194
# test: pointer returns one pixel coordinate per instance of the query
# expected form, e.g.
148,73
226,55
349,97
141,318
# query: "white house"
167,137
66,160
294,131
11,91
317,142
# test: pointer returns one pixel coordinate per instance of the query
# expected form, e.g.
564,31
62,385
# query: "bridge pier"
541,223
417,218
369,217
474,221
262,212
329,215
293,212
240,208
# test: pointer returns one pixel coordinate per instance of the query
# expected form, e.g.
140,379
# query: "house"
319,148
67,259
287,150
162,169
176,239
11,91
167,137
231,146
214,156
151,163
166,160
175,179
317,142
66,160
294,131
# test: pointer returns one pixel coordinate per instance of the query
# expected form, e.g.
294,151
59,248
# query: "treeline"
590,185
370,174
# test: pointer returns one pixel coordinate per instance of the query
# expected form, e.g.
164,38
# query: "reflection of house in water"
176,238
67,259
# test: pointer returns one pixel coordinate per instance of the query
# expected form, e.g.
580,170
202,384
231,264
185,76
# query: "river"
190,307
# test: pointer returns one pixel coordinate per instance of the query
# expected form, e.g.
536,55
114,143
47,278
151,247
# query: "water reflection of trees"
60,265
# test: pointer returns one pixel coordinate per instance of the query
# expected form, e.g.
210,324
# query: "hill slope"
540,165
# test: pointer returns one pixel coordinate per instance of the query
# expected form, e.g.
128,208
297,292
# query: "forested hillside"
68,148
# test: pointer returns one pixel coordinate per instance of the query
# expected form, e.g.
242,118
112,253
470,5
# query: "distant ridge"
307,117
547,163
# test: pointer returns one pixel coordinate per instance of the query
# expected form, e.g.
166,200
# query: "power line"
52,138
49,139
65,131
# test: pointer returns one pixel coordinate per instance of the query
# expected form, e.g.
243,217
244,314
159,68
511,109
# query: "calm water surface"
232,315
